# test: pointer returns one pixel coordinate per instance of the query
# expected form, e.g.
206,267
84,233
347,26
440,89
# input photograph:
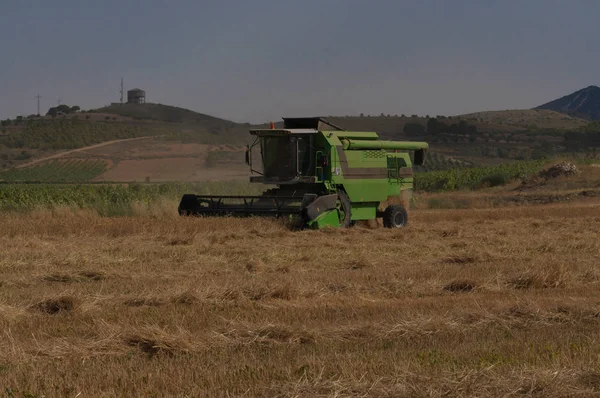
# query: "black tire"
395,216
345,206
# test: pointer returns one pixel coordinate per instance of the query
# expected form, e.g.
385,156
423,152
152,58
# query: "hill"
506,121
483,138
584,104
479,138
169,114
25,139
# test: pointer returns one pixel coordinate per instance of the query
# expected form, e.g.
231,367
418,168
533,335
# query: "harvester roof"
317,123
282,131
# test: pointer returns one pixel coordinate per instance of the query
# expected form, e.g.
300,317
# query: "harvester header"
322,175
262,132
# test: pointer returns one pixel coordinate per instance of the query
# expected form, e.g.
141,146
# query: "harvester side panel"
363,181
369,176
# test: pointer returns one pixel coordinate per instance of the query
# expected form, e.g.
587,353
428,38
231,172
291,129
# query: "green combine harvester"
325,176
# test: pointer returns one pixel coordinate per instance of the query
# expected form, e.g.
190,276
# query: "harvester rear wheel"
345,209
395,216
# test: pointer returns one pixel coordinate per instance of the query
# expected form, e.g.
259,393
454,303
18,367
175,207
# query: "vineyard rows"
69,134
437,161
57,171
475,177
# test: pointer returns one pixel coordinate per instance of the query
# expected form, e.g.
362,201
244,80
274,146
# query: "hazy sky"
258,60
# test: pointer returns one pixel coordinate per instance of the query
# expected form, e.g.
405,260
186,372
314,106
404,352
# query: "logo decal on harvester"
337,171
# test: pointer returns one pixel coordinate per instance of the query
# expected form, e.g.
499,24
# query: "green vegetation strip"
110,200
437,161
475,177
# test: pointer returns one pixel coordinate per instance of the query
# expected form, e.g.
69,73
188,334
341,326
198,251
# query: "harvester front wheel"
395,216
345,209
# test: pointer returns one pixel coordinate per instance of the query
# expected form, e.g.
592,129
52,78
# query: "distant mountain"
584,104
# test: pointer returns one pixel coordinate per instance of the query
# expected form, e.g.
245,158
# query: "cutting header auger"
324,176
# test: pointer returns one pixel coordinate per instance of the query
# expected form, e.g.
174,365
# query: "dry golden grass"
477,302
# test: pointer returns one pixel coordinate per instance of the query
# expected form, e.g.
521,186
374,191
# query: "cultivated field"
143,159
472,302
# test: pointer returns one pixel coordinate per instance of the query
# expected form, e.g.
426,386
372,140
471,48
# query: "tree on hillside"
63,108
593,127
414,129
52,112
434,127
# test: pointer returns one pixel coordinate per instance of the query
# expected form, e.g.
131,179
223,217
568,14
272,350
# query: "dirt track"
61,154
152,159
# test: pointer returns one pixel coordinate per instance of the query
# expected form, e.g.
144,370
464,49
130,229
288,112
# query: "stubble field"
477,302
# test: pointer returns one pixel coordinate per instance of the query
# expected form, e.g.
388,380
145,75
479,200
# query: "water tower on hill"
136,96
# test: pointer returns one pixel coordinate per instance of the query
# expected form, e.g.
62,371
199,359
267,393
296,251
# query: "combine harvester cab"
323,175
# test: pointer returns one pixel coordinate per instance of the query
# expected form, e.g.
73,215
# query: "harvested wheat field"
488,302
